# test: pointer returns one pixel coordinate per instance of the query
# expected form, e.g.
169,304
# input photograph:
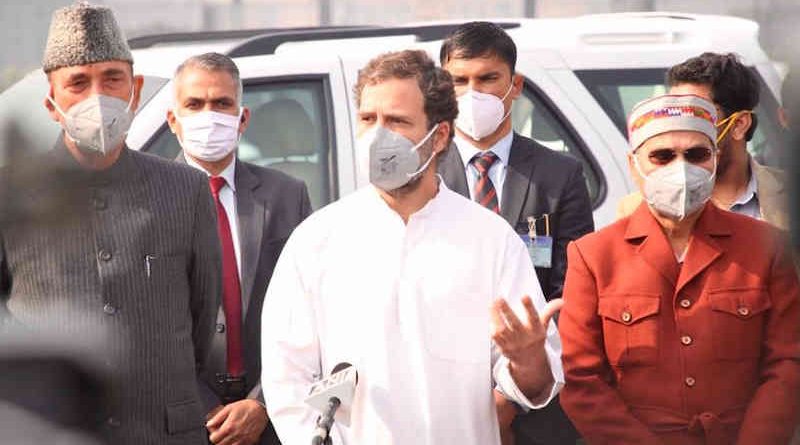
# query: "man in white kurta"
408,302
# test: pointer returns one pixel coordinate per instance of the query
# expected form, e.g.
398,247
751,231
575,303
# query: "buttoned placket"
685,337
405,285
98,207
406,296
414,274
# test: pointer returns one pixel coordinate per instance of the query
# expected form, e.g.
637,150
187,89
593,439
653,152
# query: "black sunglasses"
694,155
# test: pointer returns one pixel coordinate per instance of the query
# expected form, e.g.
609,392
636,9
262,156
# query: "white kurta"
409,307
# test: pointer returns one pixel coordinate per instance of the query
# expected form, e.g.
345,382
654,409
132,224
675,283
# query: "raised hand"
522,342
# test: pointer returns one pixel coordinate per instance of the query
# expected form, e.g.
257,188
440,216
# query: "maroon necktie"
485,193
231,292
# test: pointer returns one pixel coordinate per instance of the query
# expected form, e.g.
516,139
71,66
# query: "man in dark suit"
541,193
102,241
257,209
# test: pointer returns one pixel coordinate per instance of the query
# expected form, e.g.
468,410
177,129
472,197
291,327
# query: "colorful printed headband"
671,113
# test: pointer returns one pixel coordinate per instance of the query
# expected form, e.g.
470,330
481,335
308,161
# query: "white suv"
582,75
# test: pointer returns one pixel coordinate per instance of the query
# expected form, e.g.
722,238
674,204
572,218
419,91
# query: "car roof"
640,40
595,41
161,61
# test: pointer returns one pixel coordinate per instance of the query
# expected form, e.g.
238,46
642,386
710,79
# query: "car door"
546,114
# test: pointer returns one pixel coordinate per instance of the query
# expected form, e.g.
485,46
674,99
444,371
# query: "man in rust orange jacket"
681,322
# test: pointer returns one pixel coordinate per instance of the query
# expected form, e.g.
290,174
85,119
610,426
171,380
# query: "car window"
617,91
534,116
288,131
23,116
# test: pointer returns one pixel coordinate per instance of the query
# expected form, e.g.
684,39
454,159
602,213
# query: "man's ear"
441,137
741,126
138,81
517,82
631,166
634,172
51,110
172,122
244,120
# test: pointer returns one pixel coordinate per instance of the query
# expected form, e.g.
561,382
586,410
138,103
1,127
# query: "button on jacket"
705,352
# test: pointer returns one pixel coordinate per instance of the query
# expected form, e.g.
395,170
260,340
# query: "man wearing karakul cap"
680,321
119,239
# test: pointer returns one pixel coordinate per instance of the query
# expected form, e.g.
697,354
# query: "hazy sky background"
25,22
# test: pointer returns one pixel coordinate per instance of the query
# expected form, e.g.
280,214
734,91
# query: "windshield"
25,121
617,91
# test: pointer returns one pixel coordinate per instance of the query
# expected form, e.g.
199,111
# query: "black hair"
733,86
479,39
435,83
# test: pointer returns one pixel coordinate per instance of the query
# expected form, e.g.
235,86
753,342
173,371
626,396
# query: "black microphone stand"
325,422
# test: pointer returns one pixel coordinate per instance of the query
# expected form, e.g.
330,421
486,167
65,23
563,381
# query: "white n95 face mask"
390,158
98,123
209,135
479,114
678,189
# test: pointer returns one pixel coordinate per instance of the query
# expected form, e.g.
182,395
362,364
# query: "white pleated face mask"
98,123
480,114
209,135
391,159
677,189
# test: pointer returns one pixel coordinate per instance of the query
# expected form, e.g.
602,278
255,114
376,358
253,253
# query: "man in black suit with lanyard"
541,193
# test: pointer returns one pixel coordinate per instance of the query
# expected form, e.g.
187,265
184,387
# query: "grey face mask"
390,158
98,123
678,189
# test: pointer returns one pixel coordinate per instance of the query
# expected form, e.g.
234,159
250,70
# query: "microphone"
328,395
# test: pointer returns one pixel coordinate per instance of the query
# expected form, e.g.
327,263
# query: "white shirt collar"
751,190
423,212
501,148
229,173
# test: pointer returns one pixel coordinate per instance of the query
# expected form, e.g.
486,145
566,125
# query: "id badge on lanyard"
540,247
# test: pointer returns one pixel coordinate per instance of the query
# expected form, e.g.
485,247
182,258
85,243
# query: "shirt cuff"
509,389
256,393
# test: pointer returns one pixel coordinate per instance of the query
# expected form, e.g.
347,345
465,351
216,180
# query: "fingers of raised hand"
550,310
530,311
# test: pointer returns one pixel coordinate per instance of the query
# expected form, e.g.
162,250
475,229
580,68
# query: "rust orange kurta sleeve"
773,410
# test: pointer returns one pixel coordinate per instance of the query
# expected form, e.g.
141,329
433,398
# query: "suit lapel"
518,182
452,170
703,248
655,250
252,219
252,216
772,197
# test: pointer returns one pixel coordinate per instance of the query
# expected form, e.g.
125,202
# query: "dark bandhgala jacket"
132,249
